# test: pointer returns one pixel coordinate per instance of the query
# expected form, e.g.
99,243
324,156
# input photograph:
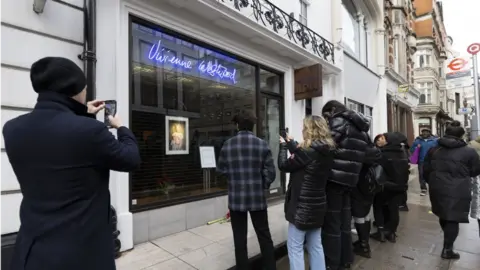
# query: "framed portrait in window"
176,134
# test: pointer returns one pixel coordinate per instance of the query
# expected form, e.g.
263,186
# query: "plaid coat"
247,162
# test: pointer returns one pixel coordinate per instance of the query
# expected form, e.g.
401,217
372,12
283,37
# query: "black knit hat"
57,74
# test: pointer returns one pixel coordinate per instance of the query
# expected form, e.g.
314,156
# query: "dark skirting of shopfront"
400,118
184,94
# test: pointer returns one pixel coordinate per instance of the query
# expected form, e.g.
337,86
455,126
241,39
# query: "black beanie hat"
57,74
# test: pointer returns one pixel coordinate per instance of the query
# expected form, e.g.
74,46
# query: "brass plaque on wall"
308,82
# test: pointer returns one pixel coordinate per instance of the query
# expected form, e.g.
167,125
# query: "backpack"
375,179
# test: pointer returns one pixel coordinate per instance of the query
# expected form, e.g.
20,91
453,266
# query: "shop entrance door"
271,117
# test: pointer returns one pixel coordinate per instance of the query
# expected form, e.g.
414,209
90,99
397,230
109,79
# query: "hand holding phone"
110,111
284,133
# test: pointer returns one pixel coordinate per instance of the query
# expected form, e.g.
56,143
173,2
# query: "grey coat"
475,204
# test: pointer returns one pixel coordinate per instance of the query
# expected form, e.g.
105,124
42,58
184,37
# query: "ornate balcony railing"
272,17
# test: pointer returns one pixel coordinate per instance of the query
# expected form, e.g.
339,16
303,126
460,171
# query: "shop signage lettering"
211,68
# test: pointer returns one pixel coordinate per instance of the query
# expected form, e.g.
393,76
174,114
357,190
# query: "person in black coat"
362,200
309,165
448,169
396,167
349,131
62,157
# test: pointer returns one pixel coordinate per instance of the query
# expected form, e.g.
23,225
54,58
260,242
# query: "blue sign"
212,68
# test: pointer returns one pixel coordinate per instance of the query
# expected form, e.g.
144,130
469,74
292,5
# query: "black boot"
379,235
391,237
448,253
362,247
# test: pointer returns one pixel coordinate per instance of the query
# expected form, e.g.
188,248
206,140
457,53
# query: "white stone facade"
58,31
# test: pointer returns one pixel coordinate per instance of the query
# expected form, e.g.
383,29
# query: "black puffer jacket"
349,130
395,162
447,169
305,202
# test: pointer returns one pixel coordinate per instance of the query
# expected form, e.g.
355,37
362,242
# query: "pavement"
210,247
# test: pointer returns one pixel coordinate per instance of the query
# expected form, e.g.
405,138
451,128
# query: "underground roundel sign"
457,64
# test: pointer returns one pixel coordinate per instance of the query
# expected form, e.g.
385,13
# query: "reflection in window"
202,90
270,126
269,82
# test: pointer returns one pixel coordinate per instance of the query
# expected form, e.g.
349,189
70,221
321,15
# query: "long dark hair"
332,107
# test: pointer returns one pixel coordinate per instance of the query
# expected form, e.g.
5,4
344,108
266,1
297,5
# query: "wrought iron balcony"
282,23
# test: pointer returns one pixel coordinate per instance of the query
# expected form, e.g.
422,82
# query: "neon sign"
212,68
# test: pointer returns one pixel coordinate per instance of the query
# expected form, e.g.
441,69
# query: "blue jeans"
296,240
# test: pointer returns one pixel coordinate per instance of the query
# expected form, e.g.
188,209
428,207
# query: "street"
419,242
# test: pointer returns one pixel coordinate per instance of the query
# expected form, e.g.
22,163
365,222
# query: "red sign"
457,64
474,48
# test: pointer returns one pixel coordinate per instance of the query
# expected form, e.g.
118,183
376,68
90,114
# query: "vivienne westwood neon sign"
211,68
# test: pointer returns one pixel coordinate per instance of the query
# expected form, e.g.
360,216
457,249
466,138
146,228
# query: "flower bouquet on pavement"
221,220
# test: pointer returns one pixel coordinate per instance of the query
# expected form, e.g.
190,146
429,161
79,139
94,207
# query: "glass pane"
269,82
270,123
188,96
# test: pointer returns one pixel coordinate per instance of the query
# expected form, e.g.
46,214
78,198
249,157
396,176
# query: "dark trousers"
392,199
450,232
240,229
403,202
336,231
423,183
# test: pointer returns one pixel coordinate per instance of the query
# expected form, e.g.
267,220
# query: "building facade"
429,74
460,90
179,70
401,44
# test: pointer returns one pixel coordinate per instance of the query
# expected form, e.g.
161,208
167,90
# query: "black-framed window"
184,94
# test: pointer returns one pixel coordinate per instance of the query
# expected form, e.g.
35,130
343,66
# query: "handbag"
414,156
375,178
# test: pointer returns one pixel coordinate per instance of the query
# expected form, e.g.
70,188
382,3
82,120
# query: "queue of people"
337,173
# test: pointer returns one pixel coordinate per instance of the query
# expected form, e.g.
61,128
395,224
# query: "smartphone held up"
284,133
110,109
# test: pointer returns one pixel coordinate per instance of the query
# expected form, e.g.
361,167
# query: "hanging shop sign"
403,88
308,82
212,68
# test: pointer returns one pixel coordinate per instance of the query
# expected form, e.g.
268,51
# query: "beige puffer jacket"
475,204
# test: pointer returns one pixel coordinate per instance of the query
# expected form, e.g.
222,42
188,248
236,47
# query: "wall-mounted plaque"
308,82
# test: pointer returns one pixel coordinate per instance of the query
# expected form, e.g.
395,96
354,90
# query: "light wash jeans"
296,240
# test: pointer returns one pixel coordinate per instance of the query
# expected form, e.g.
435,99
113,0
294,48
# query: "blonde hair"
315,128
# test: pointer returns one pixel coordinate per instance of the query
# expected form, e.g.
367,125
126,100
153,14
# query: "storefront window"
184,96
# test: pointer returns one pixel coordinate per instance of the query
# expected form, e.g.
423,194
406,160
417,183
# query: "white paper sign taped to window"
207,157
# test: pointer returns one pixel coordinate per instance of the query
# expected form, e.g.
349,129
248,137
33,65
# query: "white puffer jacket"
475,204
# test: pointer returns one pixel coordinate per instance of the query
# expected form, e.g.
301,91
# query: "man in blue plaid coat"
247,162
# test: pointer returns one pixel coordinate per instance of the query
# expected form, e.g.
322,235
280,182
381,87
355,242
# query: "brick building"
401,45
428,72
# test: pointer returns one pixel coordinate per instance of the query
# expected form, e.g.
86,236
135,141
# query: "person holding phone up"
62,157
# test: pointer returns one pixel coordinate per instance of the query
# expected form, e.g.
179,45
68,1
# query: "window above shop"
426,89
356,37
304,12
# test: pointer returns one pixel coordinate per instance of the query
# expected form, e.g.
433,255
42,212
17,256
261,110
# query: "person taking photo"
62,157
309,165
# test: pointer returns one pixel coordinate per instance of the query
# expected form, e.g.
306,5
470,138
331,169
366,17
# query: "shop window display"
184,96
